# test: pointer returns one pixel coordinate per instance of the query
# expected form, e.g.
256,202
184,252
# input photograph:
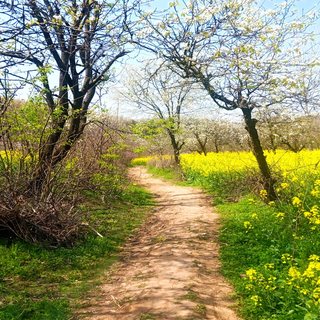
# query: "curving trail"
170,270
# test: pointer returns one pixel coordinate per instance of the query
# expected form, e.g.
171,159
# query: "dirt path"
171,269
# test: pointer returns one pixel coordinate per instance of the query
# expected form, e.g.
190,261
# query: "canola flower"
141,160
289,277
302,281
285,161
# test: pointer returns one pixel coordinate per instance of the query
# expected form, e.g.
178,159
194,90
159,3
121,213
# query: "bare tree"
204,135
72,47
161,93
237,51
282,129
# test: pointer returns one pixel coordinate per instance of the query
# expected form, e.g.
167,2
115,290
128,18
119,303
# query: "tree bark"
268,181
202,145
176,147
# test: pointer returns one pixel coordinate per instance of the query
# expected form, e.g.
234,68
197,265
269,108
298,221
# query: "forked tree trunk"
268,181
176,146
202,144
53,151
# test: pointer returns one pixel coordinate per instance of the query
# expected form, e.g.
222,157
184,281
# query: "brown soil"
170,270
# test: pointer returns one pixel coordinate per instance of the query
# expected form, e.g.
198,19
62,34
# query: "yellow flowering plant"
275,245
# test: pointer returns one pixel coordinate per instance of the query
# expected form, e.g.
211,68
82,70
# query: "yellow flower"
316,293
269,266
286,257
314,257
284,185
263,193
307,214
280,215
247,225
313,267
296,202
314,209
294,273
255,299
249,287
251,274
309,273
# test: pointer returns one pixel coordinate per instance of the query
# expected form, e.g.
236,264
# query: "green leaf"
310,316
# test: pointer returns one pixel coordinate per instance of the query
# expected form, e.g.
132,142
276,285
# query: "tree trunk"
216,146
202,145
175,146
268,181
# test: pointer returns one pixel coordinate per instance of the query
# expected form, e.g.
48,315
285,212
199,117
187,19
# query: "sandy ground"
170,269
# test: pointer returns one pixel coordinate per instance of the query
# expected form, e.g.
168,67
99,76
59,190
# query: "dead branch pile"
52,221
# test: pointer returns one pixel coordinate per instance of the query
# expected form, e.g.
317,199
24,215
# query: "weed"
147,316
200,309
191,296
159,239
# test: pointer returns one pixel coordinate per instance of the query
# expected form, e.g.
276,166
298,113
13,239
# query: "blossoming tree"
239,52
70,47
159,92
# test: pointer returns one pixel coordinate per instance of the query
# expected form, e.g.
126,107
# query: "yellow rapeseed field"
225,162
282,279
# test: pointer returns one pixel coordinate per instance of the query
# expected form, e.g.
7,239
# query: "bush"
53,221
51,214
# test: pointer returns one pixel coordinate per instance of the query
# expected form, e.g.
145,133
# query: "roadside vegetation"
63,158
39,282
270,249
55,243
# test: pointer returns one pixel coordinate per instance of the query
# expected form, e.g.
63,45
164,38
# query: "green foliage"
27,123
45,309
41,283
272,268
109,178
141,161
224,186
149,129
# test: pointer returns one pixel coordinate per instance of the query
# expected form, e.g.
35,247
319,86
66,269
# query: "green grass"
223,187
147,316
201,309
41,283
172,174
269,252
253,238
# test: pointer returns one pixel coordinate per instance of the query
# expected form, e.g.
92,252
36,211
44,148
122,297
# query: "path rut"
170,269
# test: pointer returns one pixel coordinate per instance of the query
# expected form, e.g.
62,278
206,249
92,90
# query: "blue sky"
113,103
303,7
